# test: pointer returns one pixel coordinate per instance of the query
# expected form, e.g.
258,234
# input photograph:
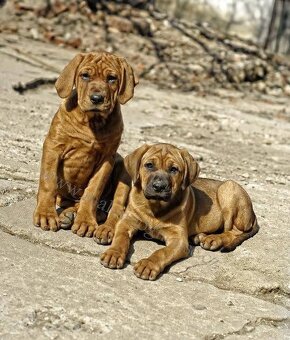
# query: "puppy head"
162,170
101,79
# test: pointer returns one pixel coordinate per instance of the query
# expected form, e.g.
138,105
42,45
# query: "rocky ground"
52,284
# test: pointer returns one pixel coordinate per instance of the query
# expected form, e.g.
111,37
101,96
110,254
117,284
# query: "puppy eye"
173,170
85,76
111,78
149,166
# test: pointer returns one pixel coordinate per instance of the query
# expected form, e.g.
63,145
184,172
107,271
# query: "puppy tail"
243,237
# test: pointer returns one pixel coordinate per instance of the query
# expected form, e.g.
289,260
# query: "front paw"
84,226
104,234
113,259
147,269
46,218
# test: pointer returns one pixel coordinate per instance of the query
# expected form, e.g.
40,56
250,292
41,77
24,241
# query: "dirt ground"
52,284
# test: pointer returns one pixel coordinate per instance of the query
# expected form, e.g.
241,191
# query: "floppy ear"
66,80
192,169
128,82
132,162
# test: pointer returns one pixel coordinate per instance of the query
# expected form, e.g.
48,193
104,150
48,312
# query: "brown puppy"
166,204
79,152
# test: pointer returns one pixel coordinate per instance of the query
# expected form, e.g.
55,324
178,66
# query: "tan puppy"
165,204
79,152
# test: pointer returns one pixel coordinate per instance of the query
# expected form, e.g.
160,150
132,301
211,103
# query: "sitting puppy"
79,152
171,204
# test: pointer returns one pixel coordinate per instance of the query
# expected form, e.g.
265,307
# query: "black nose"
159,185
97,98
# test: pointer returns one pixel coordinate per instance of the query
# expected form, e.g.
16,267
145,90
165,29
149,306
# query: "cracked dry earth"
52,284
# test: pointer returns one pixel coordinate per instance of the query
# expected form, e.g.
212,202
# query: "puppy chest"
78,165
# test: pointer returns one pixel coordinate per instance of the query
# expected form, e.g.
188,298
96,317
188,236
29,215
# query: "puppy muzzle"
158,189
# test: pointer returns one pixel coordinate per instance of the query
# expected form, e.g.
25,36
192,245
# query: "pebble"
199,158
174,107
199,307
179,279
34,33
287,90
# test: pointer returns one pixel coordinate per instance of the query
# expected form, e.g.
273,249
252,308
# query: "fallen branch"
33,84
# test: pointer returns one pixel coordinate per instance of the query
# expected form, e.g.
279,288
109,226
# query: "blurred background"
265,22
190,45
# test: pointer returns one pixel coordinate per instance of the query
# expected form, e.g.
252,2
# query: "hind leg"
67,212
239,221
217,241
66,217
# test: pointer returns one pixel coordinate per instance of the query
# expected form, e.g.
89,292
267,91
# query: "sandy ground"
52,284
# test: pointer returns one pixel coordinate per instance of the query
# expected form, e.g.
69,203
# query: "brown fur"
214,214
79,152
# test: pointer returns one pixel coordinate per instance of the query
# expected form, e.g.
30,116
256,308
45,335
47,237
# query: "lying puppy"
165,204
79,152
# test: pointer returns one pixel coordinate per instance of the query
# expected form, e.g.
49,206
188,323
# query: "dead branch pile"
169,52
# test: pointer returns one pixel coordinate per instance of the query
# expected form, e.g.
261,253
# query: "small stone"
121,24
179,279
260,86
142,26
269,179
34,33
287,90
199,307
196,69
249,328
245,175
199,158
275,92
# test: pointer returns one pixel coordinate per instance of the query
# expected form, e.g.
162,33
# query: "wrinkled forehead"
163,154
101,62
